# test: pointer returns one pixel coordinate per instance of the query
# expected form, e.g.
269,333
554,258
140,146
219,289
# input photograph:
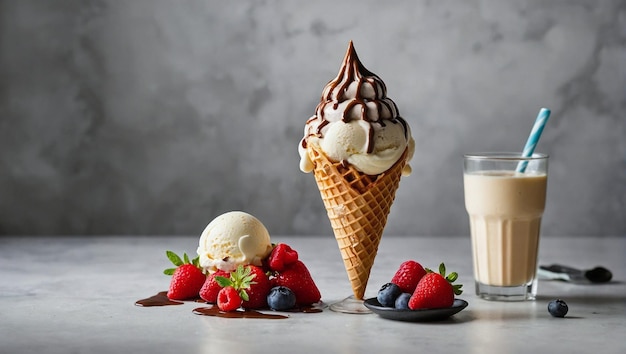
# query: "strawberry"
435,290
297,278
282,255
187,277
209,290
408,275
228,299
258,290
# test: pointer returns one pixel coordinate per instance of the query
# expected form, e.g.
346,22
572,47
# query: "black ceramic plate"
414,315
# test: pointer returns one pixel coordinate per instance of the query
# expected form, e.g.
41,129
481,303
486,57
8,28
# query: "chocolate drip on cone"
335,92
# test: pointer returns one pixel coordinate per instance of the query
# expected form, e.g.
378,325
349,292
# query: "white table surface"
77,295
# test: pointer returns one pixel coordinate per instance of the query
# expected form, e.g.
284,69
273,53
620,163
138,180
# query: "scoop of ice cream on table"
239,269
232,239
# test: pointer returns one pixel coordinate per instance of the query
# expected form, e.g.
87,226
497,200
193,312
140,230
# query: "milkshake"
505,209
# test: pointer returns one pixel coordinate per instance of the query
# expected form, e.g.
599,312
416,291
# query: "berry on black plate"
408,275
402,302
281,298
557,308
388,294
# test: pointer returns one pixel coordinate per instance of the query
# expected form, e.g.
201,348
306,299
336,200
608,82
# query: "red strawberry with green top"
408,275
187,277
297,278
258,290
209,290
435,290
282,255
228,299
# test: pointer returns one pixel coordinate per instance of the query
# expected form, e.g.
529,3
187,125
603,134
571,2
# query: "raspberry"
282,256
228,299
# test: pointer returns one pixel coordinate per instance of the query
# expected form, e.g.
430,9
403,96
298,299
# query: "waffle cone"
357,205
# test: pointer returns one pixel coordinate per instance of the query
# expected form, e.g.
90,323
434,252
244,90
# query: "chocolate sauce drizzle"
352,70
161,299
215,312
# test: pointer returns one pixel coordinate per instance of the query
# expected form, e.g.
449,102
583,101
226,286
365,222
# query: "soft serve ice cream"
232,239
356,123
358,148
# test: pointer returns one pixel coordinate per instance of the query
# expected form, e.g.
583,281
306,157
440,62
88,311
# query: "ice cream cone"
357,205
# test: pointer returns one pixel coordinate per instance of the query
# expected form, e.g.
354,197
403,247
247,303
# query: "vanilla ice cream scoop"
356,123
232,239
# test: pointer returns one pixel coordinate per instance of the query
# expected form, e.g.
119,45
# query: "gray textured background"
153,117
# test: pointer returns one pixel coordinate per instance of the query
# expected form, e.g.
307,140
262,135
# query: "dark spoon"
562,272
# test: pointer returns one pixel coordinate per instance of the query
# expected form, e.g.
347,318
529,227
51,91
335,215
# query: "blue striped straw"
533,138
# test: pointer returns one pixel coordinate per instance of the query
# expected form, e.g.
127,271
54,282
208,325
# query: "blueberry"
557,308
402,302
387,294
281,298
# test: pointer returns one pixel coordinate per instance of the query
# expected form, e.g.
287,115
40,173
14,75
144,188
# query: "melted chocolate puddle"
307,309
214,311
160,299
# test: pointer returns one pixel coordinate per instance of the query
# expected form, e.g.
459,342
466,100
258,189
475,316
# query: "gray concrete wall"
153,117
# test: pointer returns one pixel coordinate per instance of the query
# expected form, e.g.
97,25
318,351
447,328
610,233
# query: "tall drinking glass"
505,196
